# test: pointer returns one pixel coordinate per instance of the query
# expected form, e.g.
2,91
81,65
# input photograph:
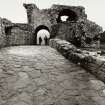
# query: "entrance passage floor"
39,75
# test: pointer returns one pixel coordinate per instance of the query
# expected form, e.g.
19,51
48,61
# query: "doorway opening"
42,35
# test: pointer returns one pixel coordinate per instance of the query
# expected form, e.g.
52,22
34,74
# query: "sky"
14,10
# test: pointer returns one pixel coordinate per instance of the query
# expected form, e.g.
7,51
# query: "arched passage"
42,35
66,15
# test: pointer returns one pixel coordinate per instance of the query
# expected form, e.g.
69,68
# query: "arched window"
66,15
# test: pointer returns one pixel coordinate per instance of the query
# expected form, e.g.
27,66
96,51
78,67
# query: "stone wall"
3,22
48,17
17,35
83,30
93,61
36,17
66,31
102,37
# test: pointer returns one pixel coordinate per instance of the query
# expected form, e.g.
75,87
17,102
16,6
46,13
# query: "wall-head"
52,15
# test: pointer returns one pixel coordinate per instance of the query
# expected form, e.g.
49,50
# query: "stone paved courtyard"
39,75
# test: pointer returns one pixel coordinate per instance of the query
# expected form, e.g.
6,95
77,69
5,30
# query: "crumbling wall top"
30,6
55,6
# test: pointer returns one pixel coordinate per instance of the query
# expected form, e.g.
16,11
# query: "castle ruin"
76,28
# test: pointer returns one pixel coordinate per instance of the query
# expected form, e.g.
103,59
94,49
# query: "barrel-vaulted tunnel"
42,35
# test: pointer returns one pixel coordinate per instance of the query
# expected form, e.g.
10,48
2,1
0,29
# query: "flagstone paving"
39,75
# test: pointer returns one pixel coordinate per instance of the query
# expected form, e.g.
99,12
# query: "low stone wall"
2,34
94,62
19,36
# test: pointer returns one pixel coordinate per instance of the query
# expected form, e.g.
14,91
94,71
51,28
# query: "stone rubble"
93,61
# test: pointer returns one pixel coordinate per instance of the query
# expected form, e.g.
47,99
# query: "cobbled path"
39,75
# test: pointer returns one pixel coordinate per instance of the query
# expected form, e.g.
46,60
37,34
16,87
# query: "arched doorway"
42,35
66,15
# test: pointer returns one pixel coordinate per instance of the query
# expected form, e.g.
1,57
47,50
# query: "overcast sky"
14,10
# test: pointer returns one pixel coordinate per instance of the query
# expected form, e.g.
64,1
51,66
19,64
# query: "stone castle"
76,29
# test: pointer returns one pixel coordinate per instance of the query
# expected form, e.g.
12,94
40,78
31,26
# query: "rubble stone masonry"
92,61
